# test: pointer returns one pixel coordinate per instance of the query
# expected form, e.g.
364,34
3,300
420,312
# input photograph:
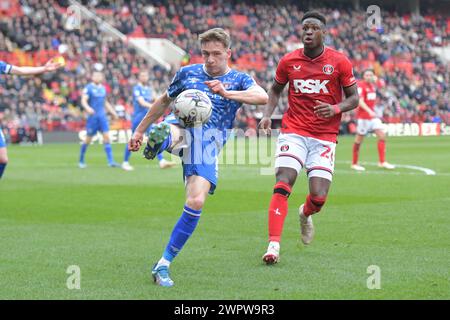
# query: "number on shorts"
325,154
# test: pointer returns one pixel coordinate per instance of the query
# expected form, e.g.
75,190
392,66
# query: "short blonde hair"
216,34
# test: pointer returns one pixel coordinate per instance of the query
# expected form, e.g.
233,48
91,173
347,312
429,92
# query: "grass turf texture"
114,225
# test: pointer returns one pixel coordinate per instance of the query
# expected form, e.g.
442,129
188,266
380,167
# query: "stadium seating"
414,83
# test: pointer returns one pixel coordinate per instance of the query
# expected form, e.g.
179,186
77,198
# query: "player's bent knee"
318,201
195,202
286,175
314,203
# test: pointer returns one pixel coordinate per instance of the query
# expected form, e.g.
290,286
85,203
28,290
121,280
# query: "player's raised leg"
356,146
164,136
154,147
174,131
197,189
381,145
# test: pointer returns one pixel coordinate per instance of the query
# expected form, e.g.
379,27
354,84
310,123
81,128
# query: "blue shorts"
200,159
2,139
96,123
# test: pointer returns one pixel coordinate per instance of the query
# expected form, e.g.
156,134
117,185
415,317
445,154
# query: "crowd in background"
413,81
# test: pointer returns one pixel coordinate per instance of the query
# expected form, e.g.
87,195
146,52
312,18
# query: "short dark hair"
315,15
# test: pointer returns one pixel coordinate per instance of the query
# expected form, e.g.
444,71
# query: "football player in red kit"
317,76
368,121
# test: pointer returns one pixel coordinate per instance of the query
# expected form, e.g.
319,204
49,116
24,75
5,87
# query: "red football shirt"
368,93
321,78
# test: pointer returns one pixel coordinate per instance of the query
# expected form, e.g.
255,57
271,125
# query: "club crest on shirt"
284,148
227,85
328,69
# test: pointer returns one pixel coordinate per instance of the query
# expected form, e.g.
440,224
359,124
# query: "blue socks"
127,154
2,168
108,150
159,156
106,146
83,149
181,232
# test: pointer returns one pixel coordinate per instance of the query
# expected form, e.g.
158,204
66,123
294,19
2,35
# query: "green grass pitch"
114,225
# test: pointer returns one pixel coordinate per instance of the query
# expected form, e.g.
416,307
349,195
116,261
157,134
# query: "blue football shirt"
141,91
96,97
224,110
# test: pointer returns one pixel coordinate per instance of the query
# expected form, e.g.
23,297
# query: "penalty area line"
427,171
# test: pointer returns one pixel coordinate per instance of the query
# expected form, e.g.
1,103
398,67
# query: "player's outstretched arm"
154,113
351,101
51,65
253,95
274,96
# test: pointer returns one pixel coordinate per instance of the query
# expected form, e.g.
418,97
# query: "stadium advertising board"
416,129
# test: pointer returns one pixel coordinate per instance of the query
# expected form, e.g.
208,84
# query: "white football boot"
127,166
386,165
306,226
272,255
357,167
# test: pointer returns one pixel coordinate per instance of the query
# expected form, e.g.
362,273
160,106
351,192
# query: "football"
192,108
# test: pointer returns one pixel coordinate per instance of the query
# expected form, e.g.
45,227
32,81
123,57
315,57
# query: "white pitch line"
427,171
390,172
340,171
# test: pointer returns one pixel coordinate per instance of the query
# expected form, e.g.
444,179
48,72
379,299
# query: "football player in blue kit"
227,89
142,101
6,68
94,103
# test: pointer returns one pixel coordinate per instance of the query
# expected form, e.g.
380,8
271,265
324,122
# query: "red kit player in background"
317,76
368,121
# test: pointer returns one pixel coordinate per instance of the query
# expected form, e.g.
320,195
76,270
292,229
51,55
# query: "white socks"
163,262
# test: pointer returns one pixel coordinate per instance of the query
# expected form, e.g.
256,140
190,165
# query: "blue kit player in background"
6,68
142,101
94,103
228,89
